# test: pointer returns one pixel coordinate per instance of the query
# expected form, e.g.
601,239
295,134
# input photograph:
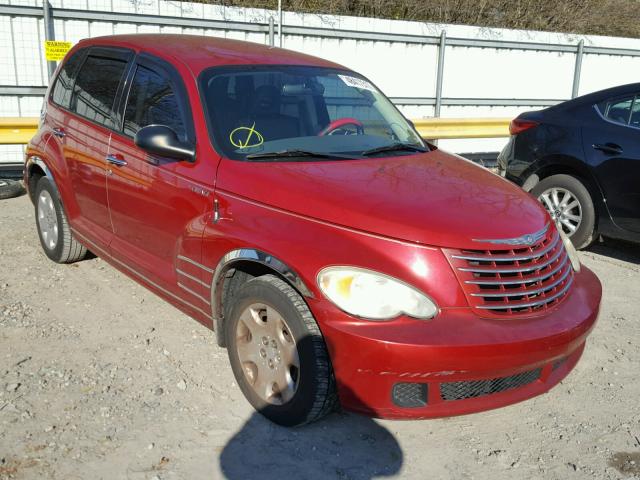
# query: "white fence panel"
508,72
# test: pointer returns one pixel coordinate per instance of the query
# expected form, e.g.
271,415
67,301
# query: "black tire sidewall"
585,233
13,188
56,253
297,410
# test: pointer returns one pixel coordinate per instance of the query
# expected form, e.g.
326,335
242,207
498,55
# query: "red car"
284,202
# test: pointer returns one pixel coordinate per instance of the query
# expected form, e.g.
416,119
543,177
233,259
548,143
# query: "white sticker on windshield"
357,83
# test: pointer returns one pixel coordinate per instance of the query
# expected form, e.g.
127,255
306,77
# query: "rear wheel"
55,235
570,205
277,353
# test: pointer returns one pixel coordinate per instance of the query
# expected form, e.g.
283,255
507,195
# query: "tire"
10,188
584,233
55,235
311,392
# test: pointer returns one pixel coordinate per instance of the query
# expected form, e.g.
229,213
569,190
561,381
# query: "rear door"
612,145
87,132
156,204
57,115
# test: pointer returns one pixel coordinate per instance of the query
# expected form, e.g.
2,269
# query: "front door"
157,208
612,145
87,132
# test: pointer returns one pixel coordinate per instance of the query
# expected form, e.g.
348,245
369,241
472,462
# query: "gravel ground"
100,379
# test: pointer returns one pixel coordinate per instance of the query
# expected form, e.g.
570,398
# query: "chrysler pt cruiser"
284,202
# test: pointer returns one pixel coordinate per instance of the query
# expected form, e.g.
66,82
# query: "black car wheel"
278,354
570,205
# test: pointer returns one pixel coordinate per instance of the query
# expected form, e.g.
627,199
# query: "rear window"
95,89
63,87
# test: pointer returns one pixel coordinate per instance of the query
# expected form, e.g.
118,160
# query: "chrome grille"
515,281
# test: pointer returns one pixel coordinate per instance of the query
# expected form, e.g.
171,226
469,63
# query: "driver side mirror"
162,140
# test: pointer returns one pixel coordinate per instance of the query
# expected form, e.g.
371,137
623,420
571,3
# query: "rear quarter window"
635,113
618,110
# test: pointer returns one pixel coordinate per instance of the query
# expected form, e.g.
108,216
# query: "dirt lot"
101,379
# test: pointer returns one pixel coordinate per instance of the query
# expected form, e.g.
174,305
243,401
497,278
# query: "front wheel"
570,205
277,353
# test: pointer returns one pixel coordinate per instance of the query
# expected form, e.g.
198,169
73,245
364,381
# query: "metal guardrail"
14,130
443,128
17,130
39,91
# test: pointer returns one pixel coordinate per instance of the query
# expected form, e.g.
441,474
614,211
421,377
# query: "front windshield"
254,111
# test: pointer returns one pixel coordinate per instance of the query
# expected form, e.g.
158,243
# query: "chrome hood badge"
526,240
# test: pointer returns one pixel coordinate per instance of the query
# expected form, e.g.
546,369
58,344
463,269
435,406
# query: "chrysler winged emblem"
528,239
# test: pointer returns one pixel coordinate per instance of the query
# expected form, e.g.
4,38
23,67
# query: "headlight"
571,250
373,295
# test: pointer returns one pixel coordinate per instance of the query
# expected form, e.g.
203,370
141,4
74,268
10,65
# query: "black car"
581,159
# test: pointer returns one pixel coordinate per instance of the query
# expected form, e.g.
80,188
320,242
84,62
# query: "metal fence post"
577,70
280,23
443,44
48,32
271,32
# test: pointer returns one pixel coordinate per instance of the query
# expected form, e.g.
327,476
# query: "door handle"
608,148
113,159
59,132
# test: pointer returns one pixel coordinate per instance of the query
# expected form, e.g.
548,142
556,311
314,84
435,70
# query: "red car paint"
170,226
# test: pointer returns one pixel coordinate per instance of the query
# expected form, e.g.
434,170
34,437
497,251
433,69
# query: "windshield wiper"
296,153
395,147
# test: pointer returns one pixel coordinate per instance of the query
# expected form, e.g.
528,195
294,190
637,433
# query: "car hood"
432,198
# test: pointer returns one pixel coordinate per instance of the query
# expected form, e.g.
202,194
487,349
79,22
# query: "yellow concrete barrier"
440,128
15,130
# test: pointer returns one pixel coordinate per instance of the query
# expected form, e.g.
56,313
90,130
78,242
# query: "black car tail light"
519,125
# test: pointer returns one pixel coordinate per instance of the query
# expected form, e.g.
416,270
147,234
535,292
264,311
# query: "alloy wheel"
268,353
564,208
47,220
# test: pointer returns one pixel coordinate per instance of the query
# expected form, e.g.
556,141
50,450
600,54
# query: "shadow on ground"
618,249
343,446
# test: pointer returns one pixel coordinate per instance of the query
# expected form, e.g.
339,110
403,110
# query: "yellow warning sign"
55,51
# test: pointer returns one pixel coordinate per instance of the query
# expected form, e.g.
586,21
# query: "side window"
95,89
64,82
152,101
617,110
635,113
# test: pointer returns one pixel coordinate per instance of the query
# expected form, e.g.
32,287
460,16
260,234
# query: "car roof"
200,52
600,95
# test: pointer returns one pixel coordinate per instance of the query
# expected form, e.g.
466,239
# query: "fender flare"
37,161
250,255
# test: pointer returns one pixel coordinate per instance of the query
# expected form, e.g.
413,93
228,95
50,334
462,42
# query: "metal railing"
446,128
17,130
267,28
14,130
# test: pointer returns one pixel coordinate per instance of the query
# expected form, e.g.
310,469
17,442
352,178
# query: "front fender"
298,247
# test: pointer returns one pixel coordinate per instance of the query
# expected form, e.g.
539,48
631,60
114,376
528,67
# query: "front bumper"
462,363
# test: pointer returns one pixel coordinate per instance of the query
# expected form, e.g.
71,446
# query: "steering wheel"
340,123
